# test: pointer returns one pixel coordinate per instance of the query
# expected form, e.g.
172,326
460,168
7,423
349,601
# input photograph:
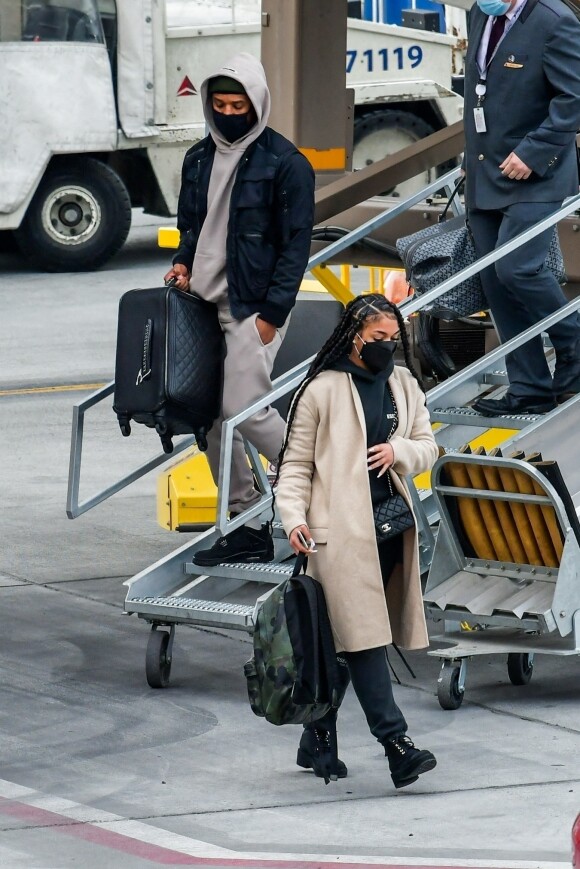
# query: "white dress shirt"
511,18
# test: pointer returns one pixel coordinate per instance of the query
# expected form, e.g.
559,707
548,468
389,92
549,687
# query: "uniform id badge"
479,117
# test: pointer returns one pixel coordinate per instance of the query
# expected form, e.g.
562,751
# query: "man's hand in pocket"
266,331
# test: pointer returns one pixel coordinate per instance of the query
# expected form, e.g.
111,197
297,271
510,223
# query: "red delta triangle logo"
186,88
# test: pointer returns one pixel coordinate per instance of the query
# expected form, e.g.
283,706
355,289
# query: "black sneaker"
406,762
314,753
242,544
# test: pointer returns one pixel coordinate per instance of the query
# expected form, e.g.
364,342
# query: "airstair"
174,591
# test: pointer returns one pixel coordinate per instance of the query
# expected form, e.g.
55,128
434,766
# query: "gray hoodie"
209,265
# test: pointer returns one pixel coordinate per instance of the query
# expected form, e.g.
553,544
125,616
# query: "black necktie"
497,29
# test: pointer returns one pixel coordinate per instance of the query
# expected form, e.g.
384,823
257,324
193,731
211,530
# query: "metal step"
270,571
468,416
495,378
258,571
489,596
194,611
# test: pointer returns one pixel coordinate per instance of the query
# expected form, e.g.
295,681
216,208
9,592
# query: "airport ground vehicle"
81,150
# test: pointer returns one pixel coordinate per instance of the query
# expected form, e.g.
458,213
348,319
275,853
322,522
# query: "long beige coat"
324,483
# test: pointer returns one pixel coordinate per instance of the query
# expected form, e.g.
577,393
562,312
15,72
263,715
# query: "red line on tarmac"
165,856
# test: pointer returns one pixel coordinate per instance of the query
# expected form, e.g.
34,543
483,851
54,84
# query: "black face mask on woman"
232,127
377,355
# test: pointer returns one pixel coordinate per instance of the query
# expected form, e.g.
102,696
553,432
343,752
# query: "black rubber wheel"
520,667
448,693
8,243
78,219
377,134
157,664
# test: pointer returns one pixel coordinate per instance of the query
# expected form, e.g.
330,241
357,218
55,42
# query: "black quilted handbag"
438,252
392,517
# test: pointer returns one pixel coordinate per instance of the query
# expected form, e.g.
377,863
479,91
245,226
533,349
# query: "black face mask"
232,127
378,355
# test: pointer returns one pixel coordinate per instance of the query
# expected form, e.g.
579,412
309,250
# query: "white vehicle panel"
384,63
62,113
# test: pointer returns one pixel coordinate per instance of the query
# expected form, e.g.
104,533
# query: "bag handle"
458,185
300,564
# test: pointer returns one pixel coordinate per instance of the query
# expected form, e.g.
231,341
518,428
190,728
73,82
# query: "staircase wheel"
520,666
448,692
157,660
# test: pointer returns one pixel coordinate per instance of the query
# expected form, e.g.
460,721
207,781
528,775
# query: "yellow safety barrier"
168,236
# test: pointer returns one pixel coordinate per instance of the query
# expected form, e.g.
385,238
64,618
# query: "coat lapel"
475,36
358,407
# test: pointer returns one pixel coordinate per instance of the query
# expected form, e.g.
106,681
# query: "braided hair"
356,313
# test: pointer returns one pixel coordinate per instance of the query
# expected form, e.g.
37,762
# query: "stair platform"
468,416
193,611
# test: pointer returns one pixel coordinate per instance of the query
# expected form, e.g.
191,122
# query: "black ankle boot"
243,544
314,753
406,762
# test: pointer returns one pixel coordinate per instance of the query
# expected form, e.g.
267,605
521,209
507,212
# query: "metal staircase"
174,591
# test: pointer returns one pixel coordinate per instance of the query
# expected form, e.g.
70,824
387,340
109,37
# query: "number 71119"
385,58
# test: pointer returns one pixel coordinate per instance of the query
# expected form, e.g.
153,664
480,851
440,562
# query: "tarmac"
98,770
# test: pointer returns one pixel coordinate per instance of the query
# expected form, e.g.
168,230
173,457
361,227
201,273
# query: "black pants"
521,291
369,672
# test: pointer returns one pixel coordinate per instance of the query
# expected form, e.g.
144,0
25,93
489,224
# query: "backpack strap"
317,602
323,640
306,584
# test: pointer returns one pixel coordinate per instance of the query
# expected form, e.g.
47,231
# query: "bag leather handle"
458,185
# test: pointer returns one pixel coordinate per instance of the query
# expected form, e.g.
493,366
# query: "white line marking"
142,832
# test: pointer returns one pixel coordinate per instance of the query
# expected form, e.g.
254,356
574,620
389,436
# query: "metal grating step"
468,416
269,571
193,611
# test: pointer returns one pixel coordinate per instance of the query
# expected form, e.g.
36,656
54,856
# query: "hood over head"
249,72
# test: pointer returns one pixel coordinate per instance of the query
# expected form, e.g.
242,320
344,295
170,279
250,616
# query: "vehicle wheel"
448,693
157,663
7,241
381,133
520,666
78,219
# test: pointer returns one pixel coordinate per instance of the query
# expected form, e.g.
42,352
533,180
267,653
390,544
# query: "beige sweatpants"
247,377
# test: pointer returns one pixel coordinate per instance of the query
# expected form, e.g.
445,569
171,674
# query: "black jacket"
270,223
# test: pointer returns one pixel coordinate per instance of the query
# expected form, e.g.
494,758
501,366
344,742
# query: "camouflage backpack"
293,676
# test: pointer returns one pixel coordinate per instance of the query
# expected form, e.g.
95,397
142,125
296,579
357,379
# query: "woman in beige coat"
357,427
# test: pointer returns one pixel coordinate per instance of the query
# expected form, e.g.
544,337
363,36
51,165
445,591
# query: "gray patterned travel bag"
438,252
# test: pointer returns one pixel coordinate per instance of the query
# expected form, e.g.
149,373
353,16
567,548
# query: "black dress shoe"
243,544
567,373
513,405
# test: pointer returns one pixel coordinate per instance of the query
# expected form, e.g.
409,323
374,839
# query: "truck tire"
78,219
7,241
377,134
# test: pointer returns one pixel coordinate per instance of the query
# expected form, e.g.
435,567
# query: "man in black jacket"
522,113
246,210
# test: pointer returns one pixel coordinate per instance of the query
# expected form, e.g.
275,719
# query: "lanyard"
481,86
